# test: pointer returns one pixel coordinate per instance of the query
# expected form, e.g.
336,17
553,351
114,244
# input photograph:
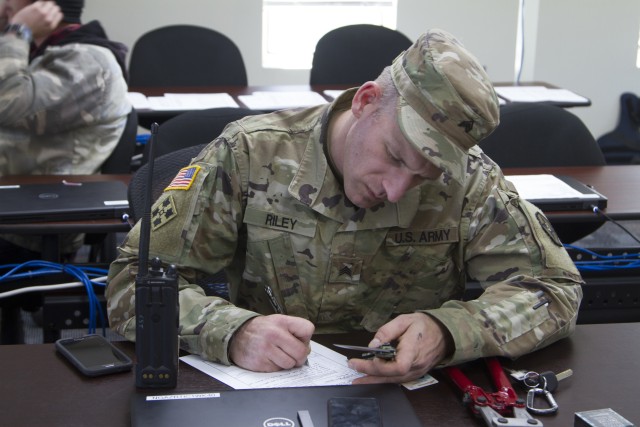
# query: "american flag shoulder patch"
184,178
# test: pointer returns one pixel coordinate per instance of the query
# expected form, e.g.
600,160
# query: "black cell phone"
94,355
354,412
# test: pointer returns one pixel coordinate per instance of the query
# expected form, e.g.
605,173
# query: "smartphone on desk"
94,355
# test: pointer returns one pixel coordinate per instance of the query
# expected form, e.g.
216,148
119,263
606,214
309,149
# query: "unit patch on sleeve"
163,212
548,228
184,178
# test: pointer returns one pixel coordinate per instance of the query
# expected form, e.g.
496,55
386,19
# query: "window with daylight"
291,29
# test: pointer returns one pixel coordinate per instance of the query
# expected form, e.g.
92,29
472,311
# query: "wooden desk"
618,183
38,387
146,117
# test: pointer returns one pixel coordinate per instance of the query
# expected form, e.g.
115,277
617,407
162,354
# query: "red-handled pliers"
500,408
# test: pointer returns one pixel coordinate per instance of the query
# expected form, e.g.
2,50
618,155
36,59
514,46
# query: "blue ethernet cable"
83,274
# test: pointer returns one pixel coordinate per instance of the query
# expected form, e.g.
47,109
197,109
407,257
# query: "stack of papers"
279,100
538,94
181,101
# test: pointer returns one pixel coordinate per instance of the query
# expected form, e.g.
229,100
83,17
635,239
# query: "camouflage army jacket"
63,113
262,203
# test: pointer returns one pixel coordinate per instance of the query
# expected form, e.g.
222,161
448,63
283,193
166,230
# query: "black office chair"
194,128
102,247
621,146
355,54
119,162
186,55
165,169
541,134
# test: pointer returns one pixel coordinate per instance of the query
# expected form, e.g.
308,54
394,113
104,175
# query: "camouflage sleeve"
63,92
512,250
195,223
14,60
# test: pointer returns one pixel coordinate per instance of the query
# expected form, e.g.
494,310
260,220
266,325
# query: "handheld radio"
156,305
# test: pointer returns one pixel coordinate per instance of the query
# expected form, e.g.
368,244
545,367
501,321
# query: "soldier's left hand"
422,343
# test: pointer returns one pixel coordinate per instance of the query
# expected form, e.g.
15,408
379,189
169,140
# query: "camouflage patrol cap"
447,103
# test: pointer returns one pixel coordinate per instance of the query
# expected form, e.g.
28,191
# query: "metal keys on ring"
541,384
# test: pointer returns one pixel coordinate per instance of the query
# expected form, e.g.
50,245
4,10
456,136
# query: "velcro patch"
280,221
164,211
184,178
545,224
345,269
422,237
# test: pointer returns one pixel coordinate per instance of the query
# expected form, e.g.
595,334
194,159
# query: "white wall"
588,46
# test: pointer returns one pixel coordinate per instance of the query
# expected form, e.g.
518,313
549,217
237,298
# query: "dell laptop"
372,405
27,203
557,193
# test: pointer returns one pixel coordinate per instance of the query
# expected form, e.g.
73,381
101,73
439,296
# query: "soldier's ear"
368,93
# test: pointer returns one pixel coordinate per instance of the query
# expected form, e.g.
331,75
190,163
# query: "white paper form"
190,101
138,100
333,93
544,186
277,100
538,94
326,367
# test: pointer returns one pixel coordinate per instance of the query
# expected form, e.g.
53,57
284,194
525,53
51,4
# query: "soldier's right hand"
42,17
271,343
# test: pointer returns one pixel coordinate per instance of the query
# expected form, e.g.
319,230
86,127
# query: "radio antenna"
145,225
156,303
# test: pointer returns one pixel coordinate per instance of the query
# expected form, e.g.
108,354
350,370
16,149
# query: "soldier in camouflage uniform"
367,214
63,104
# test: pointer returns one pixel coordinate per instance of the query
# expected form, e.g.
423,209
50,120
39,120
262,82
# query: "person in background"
63,104
368,214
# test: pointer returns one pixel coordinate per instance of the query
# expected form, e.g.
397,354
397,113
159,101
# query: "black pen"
273,300
277,307
543,300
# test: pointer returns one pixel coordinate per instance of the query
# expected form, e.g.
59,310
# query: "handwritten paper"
325,367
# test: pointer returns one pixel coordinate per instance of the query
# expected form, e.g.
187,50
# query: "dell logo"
278,422
48,196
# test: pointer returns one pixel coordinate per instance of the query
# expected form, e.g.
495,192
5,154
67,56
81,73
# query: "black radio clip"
156,300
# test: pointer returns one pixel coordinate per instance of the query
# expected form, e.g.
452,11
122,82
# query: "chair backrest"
541,134
194,128
165,168
621,146
186,55
355,54
119,162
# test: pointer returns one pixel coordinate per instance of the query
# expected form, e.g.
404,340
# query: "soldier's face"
379,163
